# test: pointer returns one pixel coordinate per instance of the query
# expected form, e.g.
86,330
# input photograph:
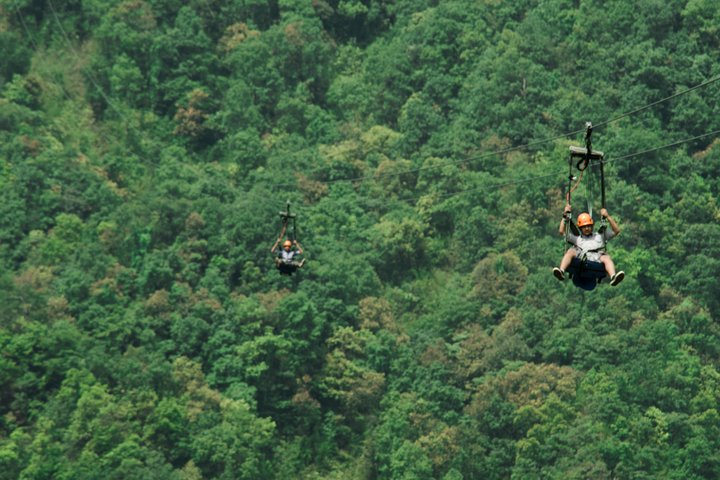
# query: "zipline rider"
589,245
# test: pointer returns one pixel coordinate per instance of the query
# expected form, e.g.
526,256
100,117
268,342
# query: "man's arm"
565,218
299,248
282,234
613,224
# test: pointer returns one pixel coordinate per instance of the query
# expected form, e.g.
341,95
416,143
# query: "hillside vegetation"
147,146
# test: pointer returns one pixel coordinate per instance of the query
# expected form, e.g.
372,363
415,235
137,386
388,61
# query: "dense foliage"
146,147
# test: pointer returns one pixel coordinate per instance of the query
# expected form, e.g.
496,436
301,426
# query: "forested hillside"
147,146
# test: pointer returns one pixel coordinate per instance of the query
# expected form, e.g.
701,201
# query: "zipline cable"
539,177
30,36
89,74
650,150
35,44
662,100
509,149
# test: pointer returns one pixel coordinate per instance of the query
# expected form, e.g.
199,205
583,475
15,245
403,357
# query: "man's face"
586,229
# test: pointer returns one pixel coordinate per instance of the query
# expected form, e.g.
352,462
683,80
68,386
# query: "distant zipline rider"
587,262
286,260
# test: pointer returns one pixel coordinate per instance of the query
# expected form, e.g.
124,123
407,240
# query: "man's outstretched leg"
564,264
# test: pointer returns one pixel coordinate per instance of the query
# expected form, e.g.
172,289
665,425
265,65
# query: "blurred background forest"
148,145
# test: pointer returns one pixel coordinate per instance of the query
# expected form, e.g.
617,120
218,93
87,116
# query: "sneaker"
302,262
559,274
617,278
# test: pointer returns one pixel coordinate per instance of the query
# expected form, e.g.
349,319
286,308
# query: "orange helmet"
584,219
287,244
